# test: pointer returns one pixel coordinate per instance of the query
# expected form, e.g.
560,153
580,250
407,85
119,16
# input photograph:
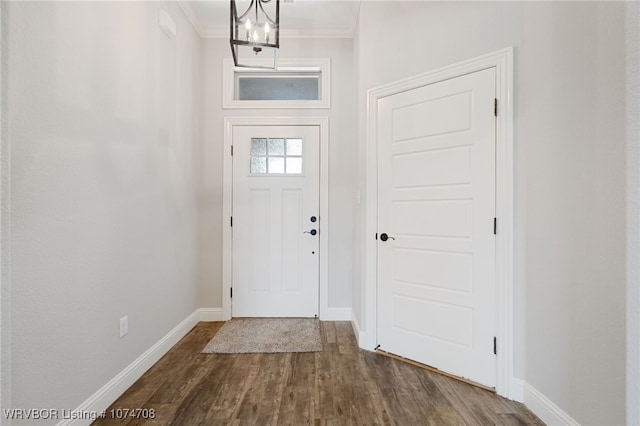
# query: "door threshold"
435,370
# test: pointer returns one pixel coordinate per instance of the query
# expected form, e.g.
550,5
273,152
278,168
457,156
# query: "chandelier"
255,34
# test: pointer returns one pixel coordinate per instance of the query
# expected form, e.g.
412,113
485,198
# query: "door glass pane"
294,165
258,146
276,146
258,165
276,156
294,146
276,165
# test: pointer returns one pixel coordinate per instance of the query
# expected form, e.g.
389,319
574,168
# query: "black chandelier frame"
237,23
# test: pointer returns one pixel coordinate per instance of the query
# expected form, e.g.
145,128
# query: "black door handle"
385,237
312,232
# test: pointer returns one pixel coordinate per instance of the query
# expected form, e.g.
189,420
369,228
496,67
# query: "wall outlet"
124,326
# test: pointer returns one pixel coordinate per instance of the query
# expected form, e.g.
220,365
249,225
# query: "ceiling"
298,18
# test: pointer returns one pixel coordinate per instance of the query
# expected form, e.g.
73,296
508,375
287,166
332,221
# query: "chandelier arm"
244,15
266,15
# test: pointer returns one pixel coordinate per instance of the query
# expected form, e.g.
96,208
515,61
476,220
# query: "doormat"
266,335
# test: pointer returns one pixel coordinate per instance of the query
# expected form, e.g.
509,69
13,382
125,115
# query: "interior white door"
275,221
436,202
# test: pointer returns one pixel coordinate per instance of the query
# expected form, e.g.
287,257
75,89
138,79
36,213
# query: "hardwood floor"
342,385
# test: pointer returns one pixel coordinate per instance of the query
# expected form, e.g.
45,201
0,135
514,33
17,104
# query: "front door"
276,221
436,209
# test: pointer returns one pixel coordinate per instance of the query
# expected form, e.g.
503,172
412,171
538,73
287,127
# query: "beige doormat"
266,335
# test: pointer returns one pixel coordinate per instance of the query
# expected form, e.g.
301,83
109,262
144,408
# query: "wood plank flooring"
342,385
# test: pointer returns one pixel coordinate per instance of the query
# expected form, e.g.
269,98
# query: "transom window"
276,156
297,83
278,87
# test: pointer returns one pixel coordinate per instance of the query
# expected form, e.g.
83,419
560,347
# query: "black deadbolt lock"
313,219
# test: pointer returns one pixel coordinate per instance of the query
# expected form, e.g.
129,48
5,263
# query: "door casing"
502,60
227,184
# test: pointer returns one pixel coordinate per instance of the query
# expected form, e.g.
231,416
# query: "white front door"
436,207
276,221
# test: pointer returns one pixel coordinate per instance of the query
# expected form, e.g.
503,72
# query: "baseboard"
105,396
544,408
210,314
356,329
517,390
337,314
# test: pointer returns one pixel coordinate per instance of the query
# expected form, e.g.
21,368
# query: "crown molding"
204,32
192,16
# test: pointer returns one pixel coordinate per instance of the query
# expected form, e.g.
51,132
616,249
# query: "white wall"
103,131
632,28
5,288
569,174
342,160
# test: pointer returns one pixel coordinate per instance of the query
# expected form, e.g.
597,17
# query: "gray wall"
569,174
632,28
115,202
103,135
342,160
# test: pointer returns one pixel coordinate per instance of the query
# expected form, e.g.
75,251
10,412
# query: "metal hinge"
495,107
231,291
495,226
231,221
232,150
495,346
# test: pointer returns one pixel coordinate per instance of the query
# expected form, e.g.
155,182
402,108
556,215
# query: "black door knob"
385,237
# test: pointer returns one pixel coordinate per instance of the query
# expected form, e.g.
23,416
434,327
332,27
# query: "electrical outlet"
124,326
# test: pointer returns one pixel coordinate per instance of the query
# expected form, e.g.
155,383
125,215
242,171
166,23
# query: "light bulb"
266,28
255,36
247,28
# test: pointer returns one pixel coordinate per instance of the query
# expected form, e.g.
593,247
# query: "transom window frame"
286,67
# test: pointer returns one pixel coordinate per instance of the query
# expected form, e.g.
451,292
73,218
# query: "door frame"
502,60
227,202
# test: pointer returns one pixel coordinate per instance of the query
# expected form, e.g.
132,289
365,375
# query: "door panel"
438,218
451,271
275,193
445,166
436,197
452,109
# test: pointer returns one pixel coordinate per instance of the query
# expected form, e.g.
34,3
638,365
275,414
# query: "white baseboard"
105,396
337,314
210,314
357,330
544,408
517,390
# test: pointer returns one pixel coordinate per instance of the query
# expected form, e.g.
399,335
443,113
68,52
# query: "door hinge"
231,221
495,346
495,107
495,226
232,150
231,292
